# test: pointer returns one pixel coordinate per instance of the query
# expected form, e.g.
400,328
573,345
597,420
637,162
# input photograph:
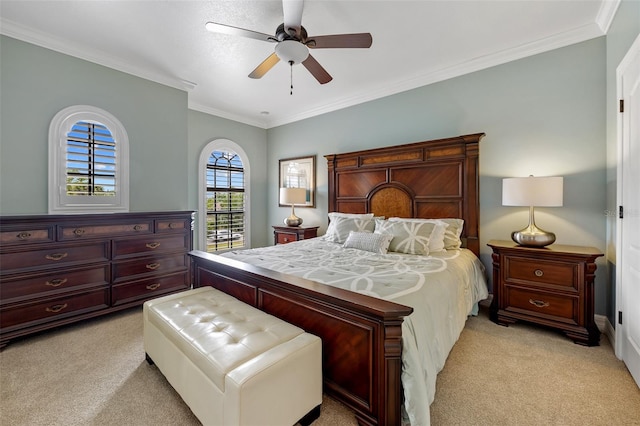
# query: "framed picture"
299,173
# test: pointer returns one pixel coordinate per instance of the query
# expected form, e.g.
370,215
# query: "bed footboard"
361,335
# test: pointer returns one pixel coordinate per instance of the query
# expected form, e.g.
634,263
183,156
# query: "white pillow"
408,237
340,226
436,242
376,243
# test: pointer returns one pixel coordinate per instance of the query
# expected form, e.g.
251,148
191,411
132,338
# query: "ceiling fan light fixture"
292,51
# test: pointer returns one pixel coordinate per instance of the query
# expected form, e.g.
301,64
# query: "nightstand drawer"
545,272
552,306
283,238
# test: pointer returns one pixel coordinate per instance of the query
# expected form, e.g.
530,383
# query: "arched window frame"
61,125
221,145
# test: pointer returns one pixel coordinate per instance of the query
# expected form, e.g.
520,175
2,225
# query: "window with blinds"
88,162
225,201
91,160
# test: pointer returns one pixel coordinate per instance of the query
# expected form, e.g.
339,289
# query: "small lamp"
293,196
532,191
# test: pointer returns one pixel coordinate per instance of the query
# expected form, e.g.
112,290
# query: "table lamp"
532,192
293,196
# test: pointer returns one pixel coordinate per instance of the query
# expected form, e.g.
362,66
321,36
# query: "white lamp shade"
293,196
532,191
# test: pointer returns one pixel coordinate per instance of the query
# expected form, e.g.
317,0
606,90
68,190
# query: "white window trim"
221,145
59,128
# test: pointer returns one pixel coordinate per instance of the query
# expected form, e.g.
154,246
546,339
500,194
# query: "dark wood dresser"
551,286
59,269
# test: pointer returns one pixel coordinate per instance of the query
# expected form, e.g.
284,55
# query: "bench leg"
310,417
148,358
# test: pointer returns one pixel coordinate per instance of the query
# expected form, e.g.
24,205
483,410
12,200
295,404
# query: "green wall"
36,83
543,115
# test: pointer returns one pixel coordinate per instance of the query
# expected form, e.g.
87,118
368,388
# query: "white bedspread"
443,289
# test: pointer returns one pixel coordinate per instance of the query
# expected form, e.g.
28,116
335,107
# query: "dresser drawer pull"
78,232
153,266
56,308
153,245
538,273
171,225
137,227
286,240
56,256
24,235
153,286
57,282
539,303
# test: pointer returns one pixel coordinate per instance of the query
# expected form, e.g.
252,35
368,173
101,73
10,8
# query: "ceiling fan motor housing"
282,34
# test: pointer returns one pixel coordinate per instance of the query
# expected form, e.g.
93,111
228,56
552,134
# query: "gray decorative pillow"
408,237
340,226
436,241
376,243
452,233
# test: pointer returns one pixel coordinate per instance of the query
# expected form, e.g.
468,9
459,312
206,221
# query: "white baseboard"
606,328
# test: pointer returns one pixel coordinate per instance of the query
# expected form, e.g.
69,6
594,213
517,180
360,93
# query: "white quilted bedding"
442,288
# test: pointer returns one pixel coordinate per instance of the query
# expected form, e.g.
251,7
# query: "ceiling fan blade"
316,70
292,11
265,66
235,31
340,41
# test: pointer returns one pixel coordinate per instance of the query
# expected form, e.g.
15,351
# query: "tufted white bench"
231,363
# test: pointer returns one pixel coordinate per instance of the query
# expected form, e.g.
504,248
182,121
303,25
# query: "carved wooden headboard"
431,179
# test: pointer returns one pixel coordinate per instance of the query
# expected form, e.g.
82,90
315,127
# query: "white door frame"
619,337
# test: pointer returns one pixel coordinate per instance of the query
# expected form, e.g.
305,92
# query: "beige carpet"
95,374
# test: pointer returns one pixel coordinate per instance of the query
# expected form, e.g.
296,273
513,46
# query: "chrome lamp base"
532,236
293,220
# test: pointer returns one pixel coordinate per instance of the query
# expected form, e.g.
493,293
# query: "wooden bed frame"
361,335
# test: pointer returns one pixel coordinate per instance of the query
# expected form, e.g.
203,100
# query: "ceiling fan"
293,43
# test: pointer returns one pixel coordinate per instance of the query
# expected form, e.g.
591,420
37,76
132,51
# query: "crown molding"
607,12
564,39
29,35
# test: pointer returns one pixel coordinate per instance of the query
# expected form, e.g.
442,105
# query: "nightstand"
287,234
550,286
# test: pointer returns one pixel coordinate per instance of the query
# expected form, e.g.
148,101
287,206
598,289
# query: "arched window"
224,197
88,162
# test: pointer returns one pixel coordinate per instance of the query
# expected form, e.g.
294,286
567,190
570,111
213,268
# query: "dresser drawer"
173,225
153,265
149,244
27,234
149,288
54,256
543,272
45,310
542,304
90,230
58,281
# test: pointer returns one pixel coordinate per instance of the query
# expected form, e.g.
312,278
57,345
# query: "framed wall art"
299,172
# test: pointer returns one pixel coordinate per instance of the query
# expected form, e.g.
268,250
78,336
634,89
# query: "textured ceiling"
414,43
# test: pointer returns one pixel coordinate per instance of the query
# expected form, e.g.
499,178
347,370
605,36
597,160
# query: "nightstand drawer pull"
153,286
153,245
539,303
153,266
23,235
538,273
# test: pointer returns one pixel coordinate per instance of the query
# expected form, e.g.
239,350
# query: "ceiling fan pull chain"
291,76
